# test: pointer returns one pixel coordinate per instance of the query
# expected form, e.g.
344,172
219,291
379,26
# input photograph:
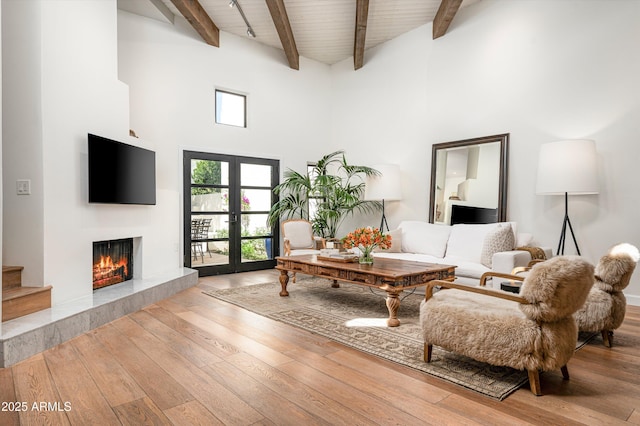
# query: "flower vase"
366,256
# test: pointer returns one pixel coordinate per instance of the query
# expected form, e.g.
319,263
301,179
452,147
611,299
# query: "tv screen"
468,214
120,173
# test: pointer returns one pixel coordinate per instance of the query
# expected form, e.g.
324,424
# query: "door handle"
233,218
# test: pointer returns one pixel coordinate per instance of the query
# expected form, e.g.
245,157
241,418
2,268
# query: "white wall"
73,55
539,70
1,197
81,94
172,76
61,68
23,215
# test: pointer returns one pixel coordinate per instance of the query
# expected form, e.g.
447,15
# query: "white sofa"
473,248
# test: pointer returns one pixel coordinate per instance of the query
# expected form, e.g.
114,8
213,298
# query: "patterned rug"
356,316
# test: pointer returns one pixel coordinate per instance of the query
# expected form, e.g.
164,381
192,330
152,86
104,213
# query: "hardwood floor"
192,359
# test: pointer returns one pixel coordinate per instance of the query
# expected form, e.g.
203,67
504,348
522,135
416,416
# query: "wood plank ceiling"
328,31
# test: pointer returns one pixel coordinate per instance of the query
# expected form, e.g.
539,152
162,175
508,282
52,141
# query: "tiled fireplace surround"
26,336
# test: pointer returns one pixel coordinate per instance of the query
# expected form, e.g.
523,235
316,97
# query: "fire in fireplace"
112,262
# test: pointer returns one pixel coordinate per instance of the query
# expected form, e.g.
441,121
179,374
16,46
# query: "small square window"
231,108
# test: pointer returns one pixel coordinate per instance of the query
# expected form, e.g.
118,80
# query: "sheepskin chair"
533,331
606,305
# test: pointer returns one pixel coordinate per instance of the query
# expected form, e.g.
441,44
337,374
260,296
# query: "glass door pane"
209,212
256,184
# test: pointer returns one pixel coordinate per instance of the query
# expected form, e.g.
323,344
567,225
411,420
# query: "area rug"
356,317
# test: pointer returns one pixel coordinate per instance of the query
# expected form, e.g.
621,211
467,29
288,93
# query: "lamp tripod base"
383,221
565,223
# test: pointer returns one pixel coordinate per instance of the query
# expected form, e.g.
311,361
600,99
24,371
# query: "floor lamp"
385,186
564,168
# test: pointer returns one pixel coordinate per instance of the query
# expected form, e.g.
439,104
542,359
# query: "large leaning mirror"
469,181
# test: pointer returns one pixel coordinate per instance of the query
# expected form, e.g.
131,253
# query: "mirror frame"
504,168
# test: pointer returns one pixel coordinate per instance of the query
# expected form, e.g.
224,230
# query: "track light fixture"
250,32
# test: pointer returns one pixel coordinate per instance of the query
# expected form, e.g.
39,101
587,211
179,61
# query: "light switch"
23,186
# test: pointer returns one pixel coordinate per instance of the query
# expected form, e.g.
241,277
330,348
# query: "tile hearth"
34,333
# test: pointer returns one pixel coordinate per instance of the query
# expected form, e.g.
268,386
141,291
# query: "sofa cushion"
425,238
412,257
465,268
498,239
466,241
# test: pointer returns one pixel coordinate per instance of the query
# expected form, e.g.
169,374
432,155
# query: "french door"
226,204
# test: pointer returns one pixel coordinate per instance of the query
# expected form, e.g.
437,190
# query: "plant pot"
337,244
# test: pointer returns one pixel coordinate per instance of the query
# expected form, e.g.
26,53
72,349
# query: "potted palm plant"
336,187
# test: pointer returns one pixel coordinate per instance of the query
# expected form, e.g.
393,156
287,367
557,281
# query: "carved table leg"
393,303
335,284
284,280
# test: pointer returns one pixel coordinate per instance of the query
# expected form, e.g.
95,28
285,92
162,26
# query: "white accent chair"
299,239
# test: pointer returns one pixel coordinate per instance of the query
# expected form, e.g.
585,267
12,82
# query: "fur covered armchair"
533,331
606,305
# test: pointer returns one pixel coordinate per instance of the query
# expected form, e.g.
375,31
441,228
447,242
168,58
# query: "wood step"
11,276
20,301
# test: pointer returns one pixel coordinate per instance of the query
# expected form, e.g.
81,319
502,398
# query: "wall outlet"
23,186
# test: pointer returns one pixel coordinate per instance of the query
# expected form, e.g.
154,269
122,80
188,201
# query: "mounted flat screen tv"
120,173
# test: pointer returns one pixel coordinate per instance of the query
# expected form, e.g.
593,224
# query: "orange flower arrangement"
367,239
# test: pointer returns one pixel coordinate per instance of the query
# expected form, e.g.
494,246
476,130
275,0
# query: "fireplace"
112,262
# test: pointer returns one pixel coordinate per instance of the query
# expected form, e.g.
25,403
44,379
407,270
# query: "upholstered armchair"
533,331
298,239
606,305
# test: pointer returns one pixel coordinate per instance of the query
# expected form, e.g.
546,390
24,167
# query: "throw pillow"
396,242
466,241
498,239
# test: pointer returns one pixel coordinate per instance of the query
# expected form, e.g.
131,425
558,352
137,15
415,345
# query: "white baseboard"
632,300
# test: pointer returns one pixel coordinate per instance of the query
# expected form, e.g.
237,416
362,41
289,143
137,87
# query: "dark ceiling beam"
283,26
444,16
193,12
362,14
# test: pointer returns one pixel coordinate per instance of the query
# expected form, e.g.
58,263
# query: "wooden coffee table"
390,275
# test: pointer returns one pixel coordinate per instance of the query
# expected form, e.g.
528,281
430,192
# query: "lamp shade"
385,186
568,167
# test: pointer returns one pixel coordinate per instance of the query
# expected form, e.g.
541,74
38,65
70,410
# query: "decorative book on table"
335,255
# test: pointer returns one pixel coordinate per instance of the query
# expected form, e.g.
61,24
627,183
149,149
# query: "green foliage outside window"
251,249
206,173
